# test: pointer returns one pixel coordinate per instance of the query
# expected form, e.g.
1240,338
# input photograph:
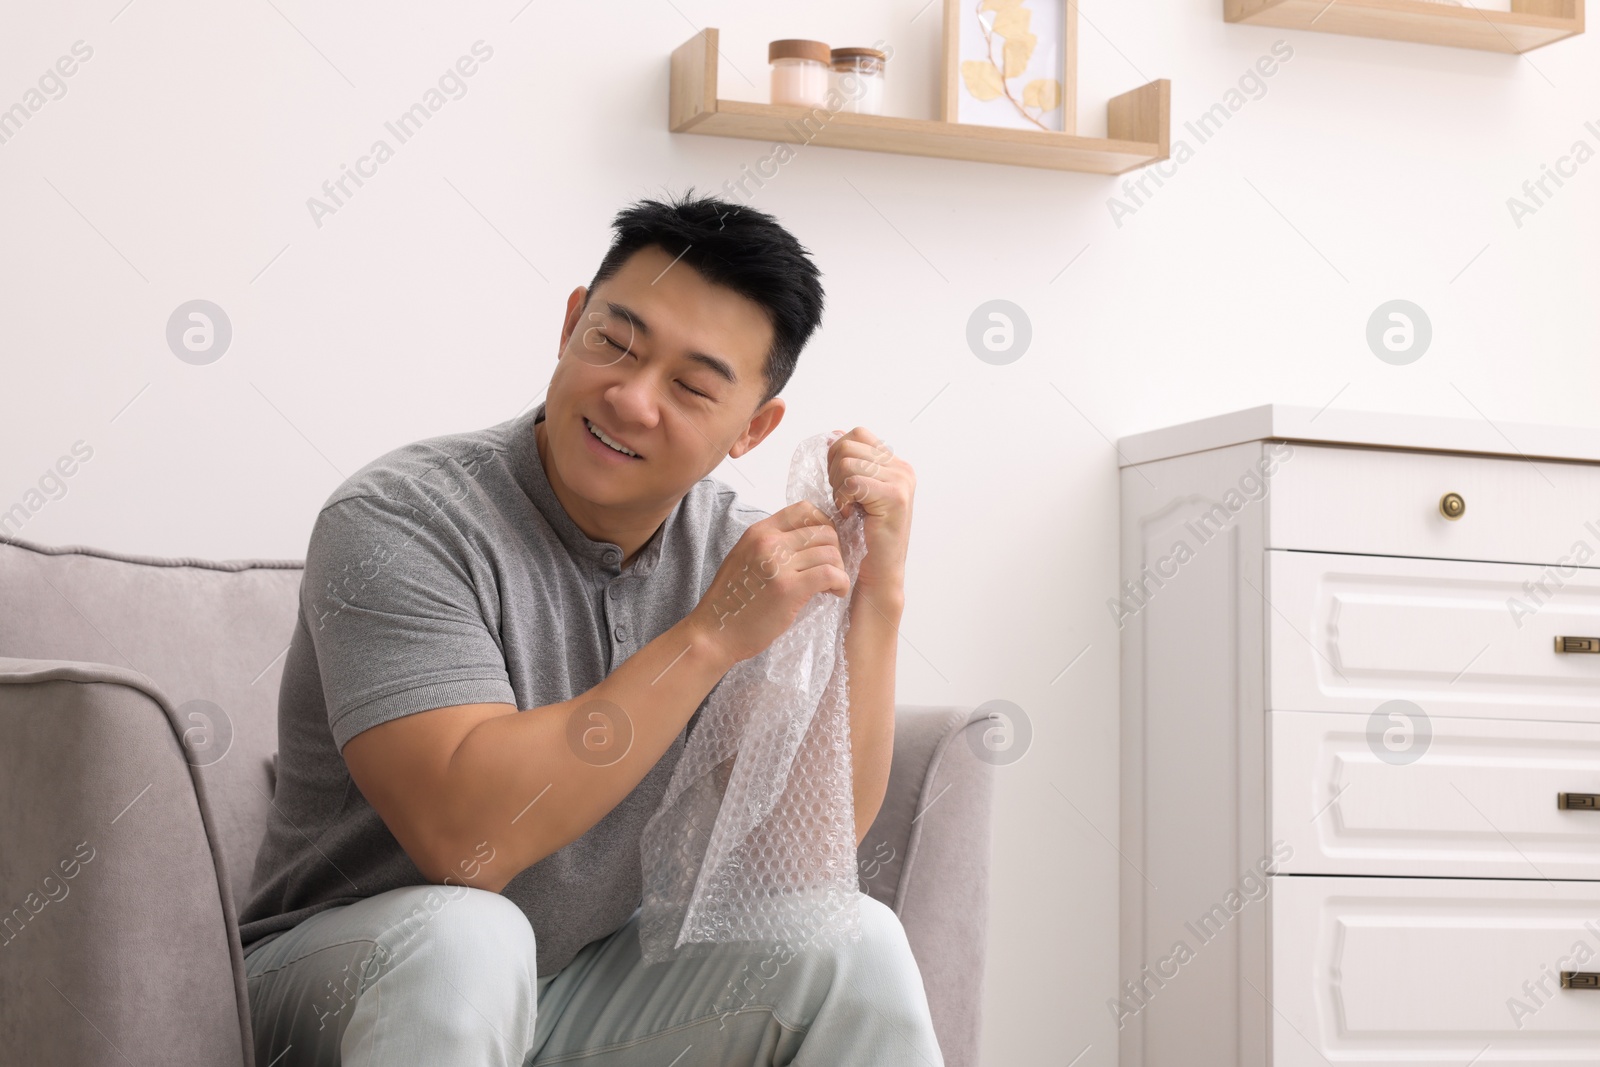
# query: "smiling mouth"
611,443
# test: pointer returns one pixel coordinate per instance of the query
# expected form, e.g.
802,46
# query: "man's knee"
462,928
880,919
461,968
882,938
881,929
423,949
878,965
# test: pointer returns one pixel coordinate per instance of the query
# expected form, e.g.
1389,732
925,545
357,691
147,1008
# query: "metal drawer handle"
1452,505
1578,801
1580,979
1578,644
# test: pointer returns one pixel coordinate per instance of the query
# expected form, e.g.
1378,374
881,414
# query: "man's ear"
762,423
575,305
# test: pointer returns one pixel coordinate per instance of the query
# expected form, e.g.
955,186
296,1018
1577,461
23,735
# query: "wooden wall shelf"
1530,24
1139,123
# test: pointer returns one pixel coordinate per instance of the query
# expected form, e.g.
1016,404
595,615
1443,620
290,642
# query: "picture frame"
1011,63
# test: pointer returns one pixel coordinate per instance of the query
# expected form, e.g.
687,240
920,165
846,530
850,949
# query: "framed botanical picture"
1011,63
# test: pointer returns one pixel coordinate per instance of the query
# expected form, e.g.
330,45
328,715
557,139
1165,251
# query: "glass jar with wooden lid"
857,77
799,71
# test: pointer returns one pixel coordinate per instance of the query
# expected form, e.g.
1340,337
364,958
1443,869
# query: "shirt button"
616,591
621,632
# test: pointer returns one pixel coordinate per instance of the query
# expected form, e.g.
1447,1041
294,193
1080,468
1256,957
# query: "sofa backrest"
210,635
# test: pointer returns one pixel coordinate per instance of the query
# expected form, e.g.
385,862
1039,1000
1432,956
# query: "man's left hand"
867,475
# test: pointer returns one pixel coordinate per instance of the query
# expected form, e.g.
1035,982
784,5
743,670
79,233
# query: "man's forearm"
521,784
870,647
531,783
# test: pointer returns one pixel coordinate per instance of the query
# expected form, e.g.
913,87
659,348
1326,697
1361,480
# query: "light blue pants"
434,975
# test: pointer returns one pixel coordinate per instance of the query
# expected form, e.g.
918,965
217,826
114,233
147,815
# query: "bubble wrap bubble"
754,845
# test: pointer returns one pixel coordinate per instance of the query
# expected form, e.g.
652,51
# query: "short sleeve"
395,618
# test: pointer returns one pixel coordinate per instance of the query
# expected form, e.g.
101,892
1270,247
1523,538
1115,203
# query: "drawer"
1401,971
1479,801
1385,502
1455,638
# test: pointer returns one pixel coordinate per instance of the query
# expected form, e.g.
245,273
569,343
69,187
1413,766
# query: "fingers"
799,516
856,463
821,569
856,485
869,447
860,434
778,548
790,534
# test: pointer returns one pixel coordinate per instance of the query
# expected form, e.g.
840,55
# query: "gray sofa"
138,708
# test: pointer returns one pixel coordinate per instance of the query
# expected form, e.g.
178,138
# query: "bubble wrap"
754,845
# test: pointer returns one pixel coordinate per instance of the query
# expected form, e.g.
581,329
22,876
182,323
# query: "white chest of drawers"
1346,720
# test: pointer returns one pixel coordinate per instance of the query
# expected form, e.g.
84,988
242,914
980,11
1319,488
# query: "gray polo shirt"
447,572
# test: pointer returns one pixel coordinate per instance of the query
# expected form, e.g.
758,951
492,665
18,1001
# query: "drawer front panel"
1387,503
1397,971
1455,638
1474,798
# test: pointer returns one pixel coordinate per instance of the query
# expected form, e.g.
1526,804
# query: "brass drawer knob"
1452,506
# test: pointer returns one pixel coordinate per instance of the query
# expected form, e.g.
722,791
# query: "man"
503,642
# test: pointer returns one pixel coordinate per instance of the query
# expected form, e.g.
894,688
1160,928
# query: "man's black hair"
734,246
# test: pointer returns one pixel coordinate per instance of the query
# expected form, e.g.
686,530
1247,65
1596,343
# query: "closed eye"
620,348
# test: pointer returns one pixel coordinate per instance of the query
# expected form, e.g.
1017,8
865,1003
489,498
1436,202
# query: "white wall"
178,166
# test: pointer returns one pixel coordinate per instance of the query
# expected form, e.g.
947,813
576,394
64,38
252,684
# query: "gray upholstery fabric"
938,803
136,957
198,630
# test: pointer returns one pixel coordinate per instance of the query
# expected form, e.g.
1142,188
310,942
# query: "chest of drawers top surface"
1371,429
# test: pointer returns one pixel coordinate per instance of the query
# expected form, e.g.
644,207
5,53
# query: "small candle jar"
799,72
857,76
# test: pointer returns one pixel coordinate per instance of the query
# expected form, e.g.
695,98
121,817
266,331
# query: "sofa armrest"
117,937
927,857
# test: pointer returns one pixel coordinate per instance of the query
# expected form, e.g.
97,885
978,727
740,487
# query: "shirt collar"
530,474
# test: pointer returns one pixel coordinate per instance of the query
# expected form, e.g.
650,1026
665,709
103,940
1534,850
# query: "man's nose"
634,398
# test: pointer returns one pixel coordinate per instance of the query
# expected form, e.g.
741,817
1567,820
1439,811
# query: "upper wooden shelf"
1139,123
1530,24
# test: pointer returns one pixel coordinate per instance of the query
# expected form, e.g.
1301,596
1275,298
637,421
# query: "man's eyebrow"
627,313
716,365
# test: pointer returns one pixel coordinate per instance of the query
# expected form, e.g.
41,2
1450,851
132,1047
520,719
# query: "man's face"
666,364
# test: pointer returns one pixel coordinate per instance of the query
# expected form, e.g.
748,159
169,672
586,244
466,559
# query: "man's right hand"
777,566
